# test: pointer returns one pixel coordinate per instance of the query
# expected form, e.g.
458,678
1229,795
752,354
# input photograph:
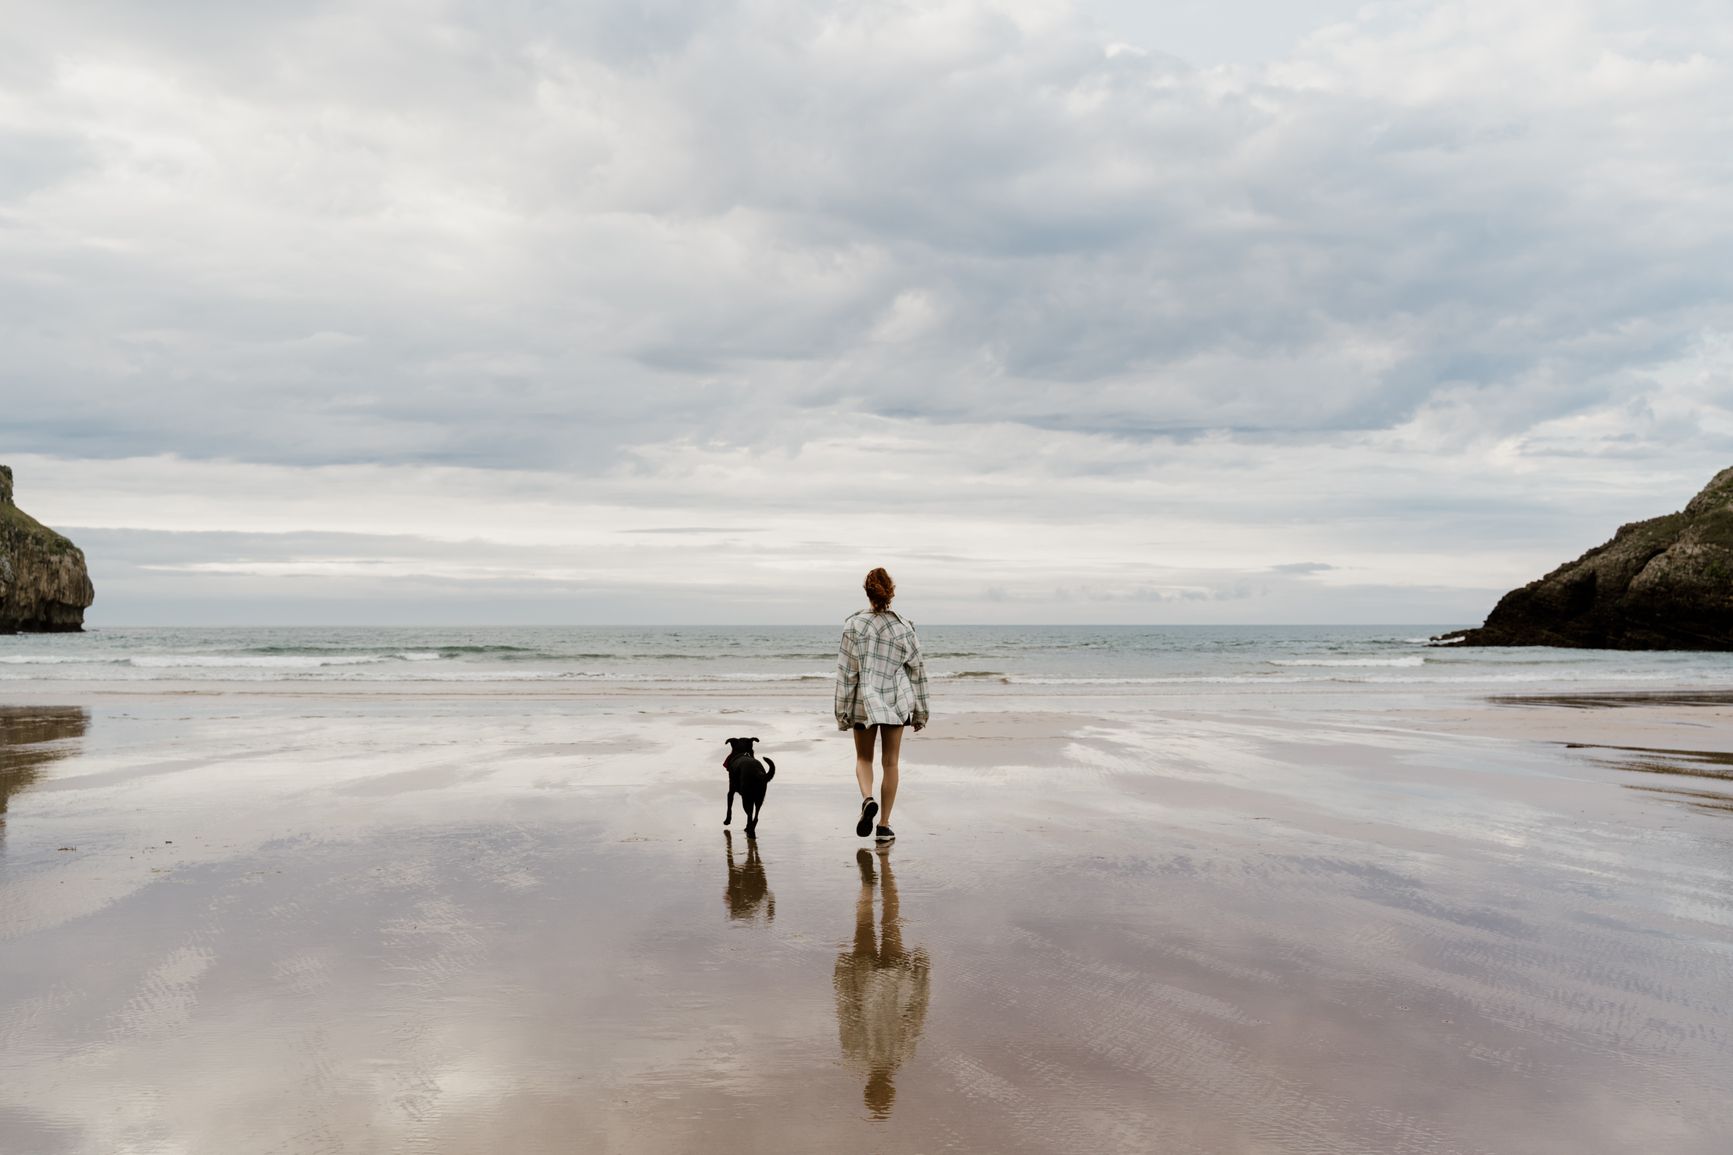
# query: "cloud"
1007,524
1038,271
540,236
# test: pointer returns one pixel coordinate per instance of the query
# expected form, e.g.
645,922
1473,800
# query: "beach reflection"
748,892
29,740
881,987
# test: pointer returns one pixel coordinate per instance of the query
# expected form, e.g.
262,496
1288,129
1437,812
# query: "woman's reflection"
881,988
30,738
748,888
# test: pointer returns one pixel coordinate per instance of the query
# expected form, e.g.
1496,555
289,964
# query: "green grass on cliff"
19,526
1716,529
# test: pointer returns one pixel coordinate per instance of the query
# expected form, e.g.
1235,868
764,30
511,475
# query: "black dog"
747,778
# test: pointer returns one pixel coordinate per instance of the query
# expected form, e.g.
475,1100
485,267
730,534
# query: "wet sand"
437,922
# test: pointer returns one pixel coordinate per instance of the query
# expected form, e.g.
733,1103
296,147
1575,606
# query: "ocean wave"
472,675
324,651
386,671
487,650
587,676
1272,679
1413,660
1172,680
58,660
251,661
823,676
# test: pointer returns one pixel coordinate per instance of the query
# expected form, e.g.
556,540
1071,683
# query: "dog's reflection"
881,987
30,738
748,889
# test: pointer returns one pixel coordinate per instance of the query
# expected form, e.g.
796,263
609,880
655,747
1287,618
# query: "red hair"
880,589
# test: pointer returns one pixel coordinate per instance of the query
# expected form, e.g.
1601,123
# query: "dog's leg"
729,817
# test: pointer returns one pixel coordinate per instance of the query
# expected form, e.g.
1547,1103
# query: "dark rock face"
1661,584
44,587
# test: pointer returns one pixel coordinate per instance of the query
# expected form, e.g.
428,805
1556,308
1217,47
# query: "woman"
881,686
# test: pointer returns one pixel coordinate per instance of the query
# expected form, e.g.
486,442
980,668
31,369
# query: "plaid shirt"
880,680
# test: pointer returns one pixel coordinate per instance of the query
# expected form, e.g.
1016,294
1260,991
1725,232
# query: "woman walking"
881,686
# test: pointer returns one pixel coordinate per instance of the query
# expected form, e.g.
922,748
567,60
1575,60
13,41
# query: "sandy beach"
427,919
1287,445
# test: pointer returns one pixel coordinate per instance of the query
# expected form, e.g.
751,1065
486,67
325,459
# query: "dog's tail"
772,766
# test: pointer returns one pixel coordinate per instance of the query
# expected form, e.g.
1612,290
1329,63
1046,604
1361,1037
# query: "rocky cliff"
1661,584
44,587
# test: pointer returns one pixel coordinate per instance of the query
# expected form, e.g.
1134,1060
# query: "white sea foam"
1410,660
1176,680
1533,677
253,661
55,660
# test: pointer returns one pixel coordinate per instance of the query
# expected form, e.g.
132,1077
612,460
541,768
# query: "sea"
1057,658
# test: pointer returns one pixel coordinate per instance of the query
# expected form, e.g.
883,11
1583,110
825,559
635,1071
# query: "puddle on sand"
1701,799
882,986
1123,964
748,894
31,737
1616,700
1715,765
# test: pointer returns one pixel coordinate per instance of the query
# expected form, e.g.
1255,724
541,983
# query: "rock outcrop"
44,587
1661,584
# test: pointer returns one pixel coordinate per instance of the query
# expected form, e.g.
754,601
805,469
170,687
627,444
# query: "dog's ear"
752,739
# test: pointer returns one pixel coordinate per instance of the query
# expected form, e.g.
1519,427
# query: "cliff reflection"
30,738
748,888
881,987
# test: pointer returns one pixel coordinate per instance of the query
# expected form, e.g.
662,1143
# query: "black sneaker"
886,834
864,827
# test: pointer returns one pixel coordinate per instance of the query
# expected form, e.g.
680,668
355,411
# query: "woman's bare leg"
890,746
863,760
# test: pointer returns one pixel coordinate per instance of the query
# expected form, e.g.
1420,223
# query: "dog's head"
739,746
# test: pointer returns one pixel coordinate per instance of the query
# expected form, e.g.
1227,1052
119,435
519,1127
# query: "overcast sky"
529,311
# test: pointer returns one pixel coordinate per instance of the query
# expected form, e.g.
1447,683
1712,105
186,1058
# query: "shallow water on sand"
429,924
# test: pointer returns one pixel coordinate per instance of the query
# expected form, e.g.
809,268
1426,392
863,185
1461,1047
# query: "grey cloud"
521,234
32,161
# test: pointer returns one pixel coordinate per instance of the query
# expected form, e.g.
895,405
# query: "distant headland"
44,587
1661,584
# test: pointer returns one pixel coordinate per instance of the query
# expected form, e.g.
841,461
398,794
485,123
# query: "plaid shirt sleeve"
847,681
918,679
